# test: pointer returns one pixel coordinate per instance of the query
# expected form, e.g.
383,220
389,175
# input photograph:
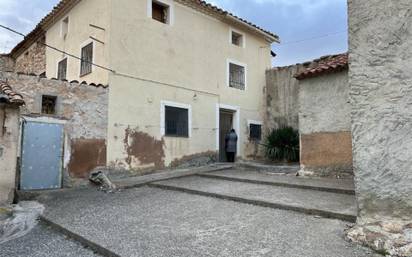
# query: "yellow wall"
191,53
95,12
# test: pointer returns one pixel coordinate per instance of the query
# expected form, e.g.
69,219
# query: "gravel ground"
44,242
159,223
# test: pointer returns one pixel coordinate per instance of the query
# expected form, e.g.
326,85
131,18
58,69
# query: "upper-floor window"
87,59
237,75
65,27
237,38
62,69
160,12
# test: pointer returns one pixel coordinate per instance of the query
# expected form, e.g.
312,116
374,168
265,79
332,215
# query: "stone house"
324,117
10,103
181,73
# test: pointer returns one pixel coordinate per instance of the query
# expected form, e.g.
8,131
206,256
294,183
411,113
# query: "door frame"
236,123
47,120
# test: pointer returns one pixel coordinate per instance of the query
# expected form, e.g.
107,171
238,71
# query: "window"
237,76
160,12
255,132
65,27
176,121
48,104
62,69
237,39
87,59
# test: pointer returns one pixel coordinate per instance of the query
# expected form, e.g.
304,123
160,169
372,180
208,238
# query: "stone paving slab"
150,222
43,241
341,206
345,186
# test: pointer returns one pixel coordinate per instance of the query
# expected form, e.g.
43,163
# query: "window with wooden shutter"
87,60
62,69
160,12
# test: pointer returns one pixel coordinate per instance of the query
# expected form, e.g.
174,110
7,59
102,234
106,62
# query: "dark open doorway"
226,124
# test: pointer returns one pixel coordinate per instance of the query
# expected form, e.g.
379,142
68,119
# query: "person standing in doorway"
231,145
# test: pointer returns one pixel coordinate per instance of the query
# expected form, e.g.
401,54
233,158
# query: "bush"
282,144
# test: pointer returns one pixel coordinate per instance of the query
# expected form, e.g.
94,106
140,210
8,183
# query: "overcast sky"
308,29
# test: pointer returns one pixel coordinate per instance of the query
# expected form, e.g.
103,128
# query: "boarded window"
176,122
237,76
237,39
87,59
160,12
255,132
62,69
48,104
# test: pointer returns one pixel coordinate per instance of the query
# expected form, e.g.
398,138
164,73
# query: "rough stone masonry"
380,81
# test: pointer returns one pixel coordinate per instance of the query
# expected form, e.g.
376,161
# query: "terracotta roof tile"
324,65
9,95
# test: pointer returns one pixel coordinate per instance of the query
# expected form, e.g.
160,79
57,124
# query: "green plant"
282,144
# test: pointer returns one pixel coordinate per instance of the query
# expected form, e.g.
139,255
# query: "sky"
308,29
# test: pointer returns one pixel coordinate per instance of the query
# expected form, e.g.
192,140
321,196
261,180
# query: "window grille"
237,77
176,122
87,59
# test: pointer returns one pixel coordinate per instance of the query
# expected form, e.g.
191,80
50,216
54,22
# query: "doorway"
41,156
226,124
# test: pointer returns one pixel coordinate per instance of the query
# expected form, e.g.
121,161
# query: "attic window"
237,39
160,12
65,27
48,104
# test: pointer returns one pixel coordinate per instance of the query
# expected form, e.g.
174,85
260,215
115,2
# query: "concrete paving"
342,206
160,223
42,241
130,182
345,186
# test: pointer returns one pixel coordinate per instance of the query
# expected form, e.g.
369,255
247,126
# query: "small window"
48,104
237,39
87,60
176,122
237,76
255,132
65,27
160,12
62,69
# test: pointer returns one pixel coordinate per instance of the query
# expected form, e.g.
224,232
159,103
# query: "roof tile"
10,95
324,65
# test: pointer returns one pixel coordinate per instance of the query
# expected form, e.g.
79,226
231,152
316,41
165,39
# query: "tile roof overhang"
65,5
325,65
9,96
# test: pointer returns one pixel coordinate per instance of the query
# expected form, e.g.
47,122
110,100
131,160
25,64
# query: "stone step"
342,186
324,204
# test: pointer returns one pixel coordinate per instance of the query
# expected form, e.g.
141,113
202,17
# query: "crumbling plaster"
83,107
9,137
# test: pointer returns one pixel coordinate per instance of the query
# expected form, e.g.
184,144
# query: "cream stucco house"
180,73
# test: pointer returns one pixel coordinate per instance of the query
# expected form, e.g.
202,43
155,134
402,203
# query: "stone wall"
324,124
381,96
6,63
32,60
282,90
9,137
84,107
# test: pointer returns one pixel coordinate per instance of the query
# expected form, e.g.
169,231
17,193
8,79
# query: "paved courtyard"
151,221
